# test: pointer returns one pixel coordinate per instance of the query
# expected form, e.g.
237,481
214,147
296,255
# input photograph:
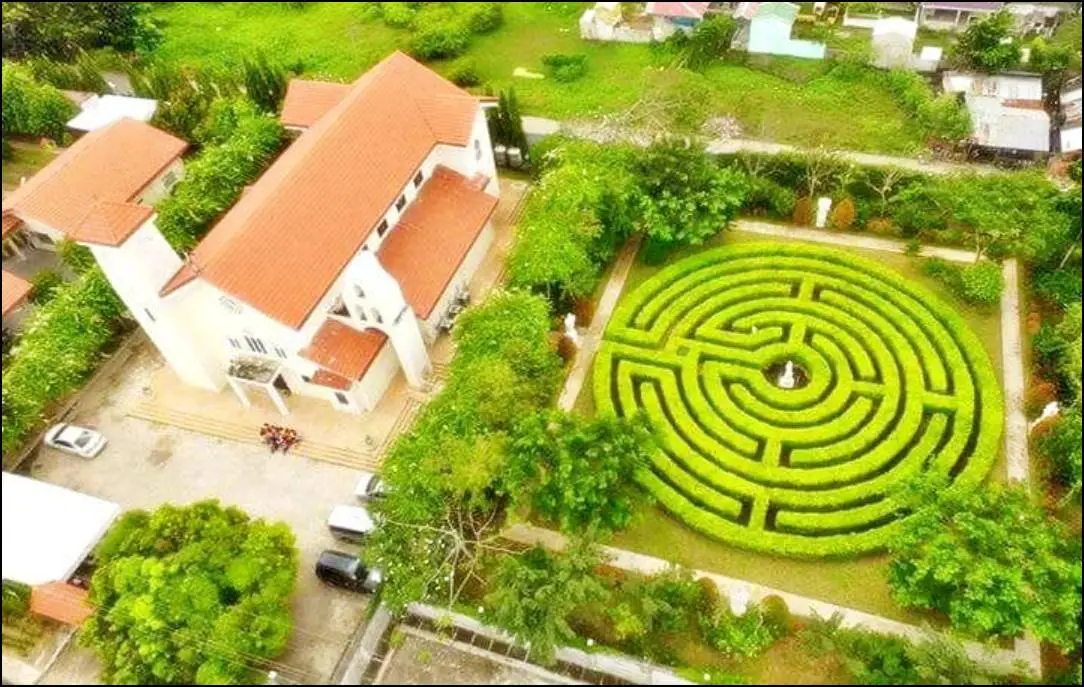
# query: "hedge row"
61,345
242,143
897,385
31,108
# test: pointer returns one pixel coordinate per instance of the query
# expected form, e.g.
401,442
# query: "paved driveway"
146,465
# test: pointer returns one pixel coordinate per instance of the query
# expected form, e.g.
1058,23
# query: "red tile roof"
16,291
110,223
689,10
432,239
10,224
308,101
331,380
113,164
343,350
62,602
283,245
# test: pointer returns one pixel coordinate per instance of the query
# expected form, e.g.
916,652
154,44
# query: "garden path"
1012,351
581,366
835,238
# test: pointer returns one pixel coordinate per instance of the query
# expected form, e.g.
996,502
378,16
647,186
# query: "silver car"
78,441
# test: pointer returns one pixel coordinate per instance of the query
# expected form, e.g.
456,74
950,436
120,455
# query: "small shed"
770,32
893,42
99,111
48,531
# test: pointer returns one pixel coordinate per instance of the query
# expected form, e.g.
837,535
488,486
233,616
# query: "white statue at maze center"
788,380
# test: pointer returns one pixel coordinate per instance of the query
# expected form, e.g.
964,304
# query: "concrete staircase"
246,434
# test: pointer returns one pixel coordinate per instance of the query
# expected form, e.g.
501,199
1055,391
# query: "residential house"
341,264
16,291
1070,119
670,17
1041,18
766,28
954,16
1007,111
98,111
99,189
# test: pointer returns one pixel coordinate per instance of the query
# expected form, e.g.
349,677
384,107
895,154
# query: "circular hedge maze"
893,384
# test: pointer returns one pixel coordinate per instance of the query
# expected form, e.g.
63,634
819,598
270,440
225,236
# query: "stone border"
1026,652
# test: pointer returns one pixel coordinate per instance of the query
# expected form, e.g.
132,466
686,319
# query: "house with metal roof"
954,16
1007,111
334,272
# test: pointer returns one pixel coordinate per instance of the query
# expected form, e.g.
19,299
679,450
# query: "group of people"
279,438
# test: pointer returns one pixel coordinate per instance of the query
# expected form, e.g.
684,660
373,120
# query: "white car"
78,441
370,486
351,523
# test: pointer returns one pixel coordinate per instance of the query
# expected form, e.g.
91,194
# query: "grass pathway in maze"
897,385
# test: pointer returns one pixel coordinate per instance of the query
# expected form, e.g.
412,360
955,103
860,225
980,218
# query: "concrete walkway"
1012,359
581,366
537,128
1025,653
834,238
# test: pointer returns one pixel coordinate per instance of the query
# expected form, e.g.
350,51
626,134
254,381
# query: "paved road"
540,127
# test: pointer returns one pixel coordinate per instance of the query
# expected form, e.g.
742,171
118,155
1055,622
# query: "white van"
370,486
351,523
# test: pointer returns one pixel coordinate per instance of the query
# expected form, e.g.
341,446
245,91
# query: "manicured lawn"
790,101
855,583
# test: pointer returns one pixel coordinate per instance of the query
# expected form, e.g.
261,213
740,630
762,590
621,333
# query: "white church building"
333,272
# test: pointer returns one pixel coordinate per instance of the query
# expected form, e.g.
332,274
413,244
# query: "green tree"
1061,446
685,197
191,595
265,82
31,108
535,593
446,508
709,41
60,30
989,44
580,473
991,561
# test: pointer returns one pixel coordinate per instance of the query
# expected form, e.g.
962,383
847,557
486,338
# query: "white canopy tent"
48,531
102,110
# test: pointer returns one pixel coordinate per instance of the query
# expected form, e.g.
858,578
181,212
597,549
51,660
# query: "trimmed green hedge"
61,345
897,385
242,142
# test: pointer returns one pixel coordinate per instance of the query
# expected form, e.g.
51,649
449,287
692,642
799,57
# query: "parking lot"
146,465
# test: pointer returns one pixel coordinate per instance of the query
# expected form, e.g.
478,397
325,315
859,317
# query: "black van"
344,570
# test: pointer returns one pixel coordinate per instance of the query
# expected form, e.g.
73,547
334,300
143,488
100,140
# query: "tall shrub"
31,108
215,178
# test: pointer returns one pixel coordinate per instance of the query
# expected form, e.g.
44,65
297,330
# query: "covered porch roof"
344,351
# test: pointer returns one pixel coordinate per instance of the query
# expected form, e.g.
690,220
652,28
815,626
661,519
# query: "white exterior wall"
376,381
771,36
138,269
163,184
461,280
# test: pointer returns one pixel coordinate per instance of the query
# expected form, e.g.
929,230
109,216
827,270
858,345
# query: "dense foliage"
506,122
583,207
61,30
191,595
989,44
992,562
980,284
685,196
535,593
33,108
241,143
82,74
876,659
706,43
577,472
62,342
1060,445
439,30
942,117
448,498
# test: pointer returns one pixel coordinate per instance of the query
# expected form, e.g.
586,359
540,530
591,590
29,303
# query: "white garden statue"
570,329
739,600
824,206
1051,410
788,380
